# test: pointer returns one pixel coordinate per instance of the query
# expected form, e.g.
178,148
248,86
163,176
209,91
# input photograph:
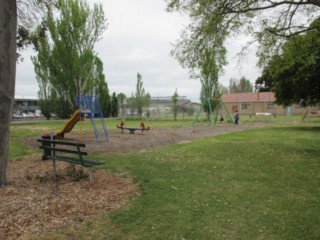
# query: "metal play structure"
90,106
213,117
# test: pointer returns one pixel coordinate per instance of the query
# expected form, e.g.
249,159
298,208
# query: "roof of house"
249,97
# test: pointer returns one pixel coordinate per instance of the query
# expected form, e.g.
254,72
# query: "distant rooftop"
26,97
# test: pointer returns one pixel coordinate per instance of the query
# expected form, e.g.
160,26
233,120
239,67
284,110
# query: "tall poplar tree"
141,99
242,85
114,105
175,106
209,81
66,65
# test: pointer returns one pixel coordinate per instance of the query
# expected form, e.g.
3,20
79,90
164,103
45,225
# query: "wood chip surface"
32,203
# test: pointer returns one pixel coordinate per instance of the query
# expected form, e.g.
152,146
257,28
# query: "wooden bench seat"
68,152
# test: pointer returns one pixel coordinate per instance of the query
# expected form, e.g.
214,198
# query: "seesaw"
132,130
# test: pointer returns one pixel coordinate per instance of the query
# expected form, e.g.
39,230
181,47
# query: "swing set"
215,105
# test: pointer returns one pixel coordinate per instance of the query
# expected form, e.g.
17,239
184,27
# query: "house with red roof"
261,103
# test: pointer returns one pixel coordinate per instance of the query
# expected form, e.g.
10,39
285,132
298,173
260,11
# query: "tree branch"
276,32
272,5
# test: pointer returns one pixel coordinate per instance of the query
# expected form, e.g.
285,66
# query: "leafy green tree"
175,106
147,100
66,61
121,98
238,86
210,87
131,104
46,103
141,99
46,108
296,71
114,105
98,86
122,104
265,82
213,22
210,90
224,89
30,12
104,98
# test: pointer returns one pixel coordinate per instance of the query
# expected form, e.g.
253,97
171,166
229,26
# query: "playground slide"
70,124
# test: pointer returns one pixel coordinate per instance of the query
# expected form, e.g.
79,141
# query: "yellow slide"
70,124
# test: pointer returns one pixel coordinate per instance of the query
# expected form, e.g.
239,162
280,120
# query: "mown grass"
18,150
258,184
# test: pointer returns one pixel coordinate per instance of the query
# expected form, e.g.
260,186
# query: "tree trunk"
8,28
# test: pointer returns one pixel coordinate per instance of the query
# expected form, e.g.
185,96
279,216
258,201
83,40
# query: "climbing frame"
90,105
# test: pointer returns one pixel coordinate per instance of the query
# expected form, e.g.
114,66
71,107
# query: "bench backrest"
50,147
49,141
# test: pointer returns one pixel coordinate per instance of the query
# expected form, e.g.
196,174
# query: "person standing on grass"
236,118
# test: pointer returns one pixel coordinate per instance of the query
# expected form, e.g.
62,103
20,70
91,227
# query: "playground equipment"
132,130
219,106
90,106
87,105
76,116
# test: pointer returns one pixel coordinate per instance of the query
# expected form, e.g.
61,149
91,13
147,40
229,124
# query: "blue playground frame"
90,105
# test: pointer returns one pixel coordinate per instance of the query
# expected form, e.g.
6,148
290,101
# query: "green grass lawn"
257,184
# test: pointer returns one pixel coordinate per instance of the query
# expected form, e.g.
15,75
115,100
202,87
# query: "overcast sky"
138,40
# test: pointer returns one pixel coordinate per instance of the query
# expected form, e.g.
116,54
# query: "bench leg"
90,174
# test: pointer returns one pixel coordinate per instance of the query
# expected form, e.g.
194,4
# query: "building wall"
25,106
262,102
253,108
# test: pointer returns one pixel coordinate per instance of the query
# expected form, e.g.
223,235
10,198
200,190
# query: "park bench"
68,152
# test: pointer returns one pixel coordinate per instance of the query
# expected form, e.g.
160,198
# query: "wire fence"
159,108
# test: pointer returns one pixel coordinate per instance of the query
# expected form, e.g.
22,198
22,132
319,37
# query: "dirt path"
156,137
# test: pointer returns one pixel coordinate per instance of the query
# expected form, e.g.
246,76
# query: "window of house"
245,105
